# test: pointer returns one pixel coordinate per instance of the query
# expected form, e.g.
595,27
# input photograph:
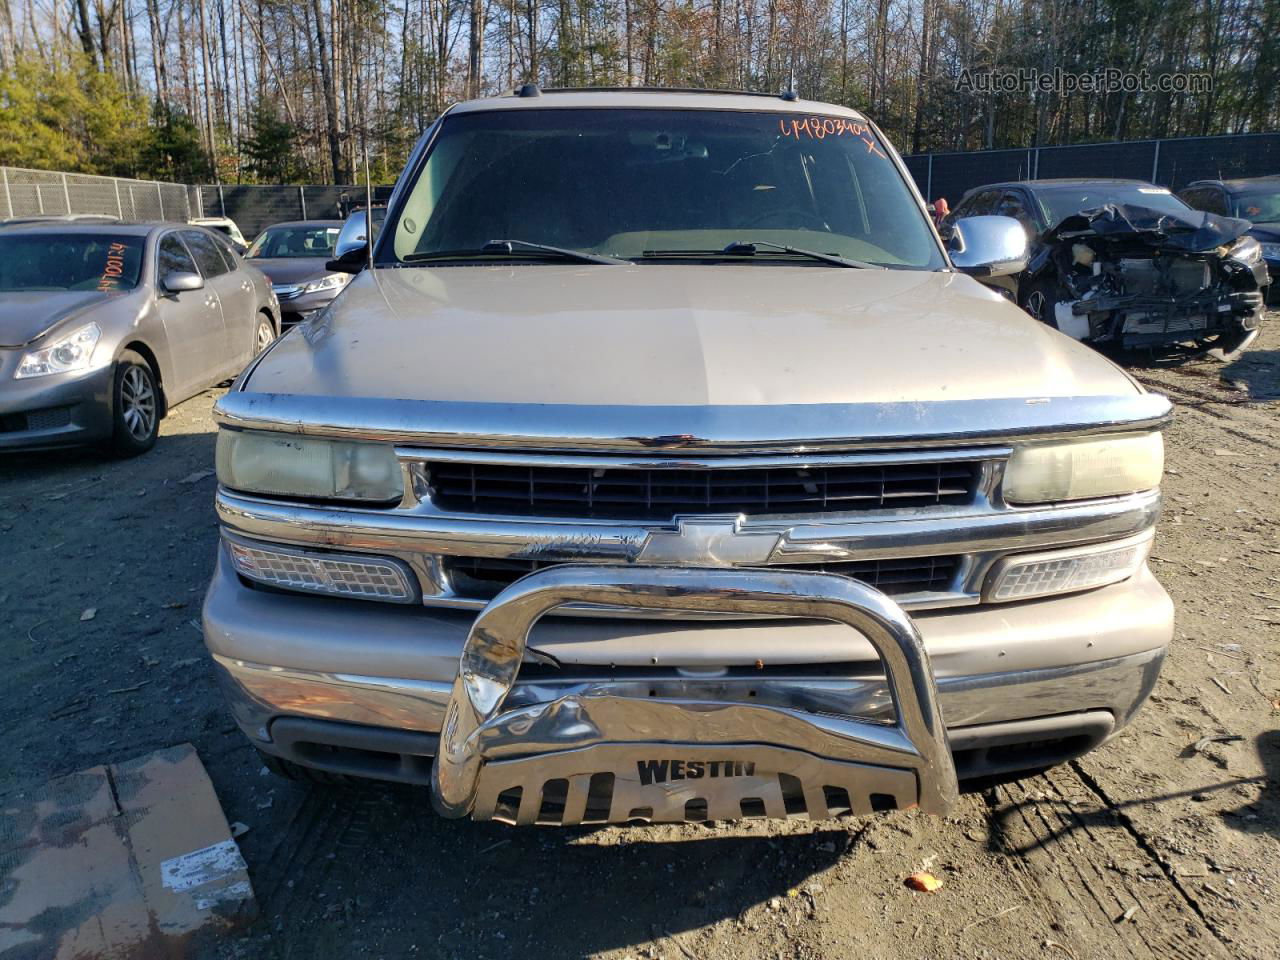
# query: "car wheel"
263,336
1039,302
135,405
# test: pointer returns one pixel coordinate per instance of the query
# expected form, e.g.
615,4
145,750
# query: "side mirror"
986,247
351,250
182,281
351,260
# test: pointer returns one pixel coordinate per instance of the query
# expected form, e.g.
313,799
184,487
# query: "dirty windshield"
662,185
70,261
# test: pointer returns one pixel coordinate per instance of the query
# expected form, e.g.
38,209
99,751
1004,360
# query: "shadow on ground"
1259,371
375,862
1260,816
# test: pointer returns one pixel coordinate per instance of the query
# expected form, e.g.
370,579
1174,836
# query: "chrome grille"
483,577
658,494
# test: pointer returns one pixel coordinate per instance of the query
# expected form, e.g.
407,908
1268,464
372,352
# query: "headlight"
1271,250
71,352
1062,571
289,465
1082,469
1247,250
327,282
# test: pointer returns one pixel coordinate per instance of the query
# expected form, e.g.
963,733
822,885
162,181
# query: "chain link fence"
36,193
1170,163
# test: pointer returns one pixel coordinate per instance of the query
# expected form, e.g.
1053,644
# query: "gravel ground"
1147,847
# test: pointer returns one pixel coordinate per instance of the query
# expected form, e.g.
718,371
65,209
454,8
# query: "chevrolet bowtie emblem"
708,541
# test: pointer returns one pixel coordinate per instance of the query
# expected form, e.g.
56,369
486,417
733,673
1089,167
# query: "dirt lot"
1149,847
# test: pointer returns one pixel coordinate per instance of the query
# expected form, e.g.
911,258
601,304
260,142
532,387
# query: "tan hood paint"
679,335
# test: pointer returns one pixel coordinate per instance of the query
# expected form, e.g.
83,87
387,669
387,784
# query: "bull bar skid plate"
609,759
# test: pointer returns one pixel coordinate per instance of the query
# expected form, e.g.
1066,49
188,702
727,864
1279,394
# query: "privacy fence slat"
1172,163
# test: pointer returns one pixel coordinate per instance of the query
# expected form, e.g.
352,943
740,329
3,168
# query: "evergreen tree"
270,151
175,150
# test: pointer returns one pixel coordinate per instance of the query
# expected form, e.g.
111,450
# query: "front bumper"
304,306
1006,674
54,411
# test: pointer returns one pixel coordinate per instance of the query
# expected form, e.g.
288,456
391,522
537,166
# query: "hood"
291,269
668,335
1265,233
26,315
1192,231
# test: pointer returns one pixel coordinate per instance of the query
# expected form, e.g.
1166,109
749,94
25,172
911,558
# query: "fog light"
1062,571
335,574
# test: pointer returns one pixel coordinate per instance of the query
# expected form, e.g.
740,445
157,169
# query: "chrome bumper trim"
789,428
562,738
258,693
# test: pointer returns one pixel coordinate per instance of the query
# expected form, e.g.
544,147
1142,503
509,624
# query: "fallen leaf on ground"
196,477
89,613
924,882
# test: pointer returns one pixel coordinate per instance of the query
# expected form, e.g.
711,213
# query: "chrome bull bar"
609,759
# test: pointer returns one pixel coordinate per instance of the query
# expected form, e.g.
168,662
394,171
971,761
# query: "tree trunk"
85,32
330,96
475,49
157,51
210,133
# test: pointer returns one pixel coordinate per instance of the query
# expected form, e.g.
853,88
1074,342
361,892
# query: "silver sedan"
105,326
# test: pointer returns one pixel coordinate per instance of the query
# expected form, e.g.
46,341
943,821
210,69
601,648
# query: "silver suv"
666,466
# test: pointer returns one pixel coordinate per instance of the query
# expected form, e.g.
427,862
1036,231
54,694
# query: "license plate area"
676,783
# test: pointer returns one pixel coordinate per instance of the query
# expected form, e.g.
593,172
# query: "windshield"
70,261
638,183
298,241
1063,203
1260,206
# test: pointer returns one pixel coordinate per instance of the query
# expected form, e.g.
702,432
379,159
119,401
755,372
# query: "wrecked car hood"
674,335
1191,232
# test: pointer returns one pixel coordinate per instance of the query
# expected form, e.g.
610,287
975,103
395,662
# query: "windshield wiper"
748,249
742,248
512,248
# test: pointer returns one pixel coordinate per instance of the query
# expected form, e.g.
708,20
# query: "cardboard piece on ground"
130,860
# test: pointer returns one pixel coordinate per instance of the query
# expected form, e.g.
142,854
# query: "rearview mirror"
986,247
181,281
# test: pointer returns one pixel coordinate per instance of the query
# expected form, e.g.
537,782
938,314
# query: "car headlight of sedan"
285,464
330,281
1271,251
1084,469
71,352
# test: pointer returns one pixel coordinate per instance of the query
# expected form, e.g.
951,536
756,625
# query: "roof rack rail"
784,95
